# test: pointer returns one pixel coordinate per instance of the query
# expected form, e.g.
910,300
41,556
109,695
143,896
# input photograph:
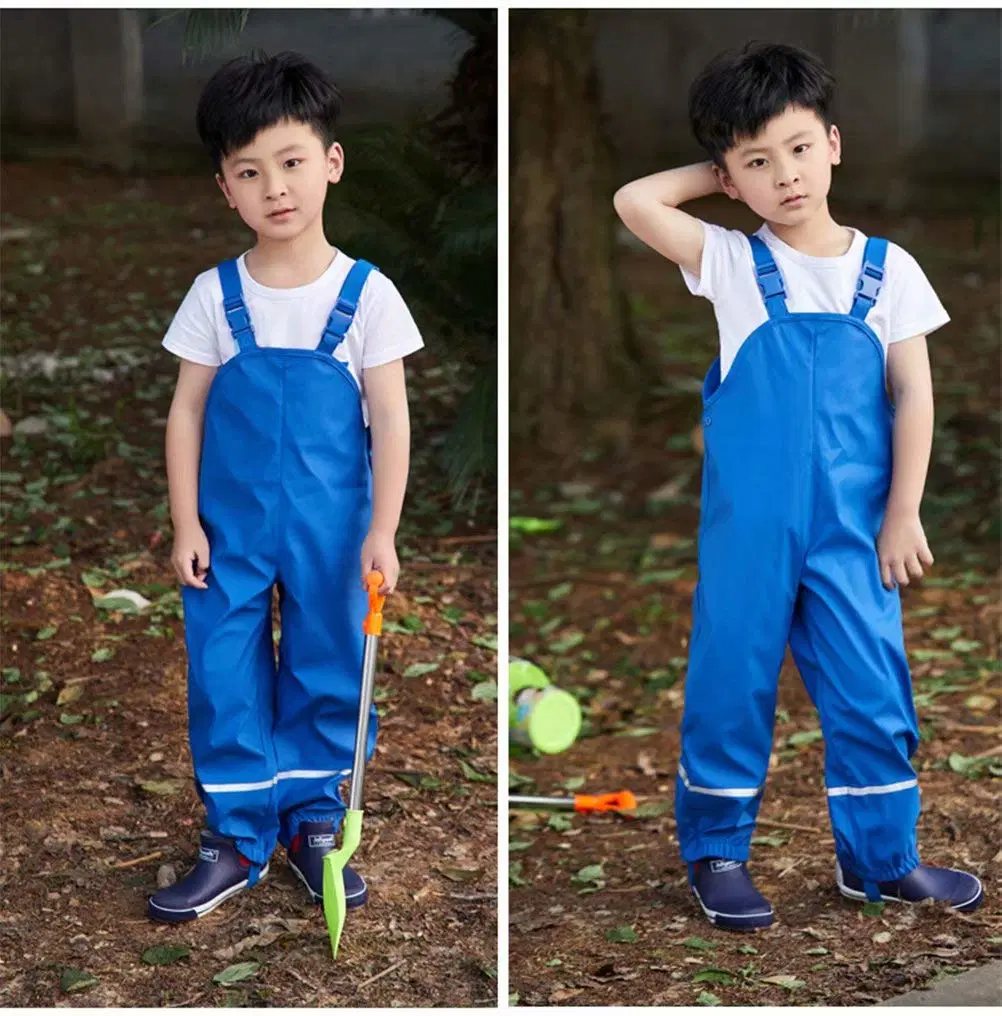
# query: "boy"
291,360
811,486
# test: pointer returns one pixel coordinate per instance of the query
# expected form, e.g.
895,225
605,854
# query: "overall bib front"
796,472
284,497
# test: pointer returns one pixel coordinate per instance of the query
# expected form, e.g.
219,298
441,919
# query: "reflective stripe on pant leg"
231,673
847,641
320,654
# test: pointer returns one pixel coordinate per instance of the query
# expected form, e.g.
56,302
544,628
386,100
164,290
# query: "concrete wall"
390,65
918,87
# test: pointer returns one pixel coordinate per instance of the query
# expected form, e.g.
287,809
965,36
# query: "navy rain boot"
726,894
958,888
306,858
221,872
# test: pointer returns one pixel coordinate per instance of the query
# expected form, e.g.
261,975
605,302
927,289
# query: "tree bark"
570,349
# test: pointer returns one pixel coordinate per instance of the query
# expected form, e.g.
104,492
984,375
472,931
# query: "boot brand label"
716,866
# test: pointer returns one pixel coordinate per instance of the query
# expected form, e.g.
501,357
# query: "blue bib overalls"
284,497
796,473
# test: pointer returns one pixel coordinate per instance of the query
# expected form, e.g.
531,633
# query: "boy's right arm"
649,209
183,452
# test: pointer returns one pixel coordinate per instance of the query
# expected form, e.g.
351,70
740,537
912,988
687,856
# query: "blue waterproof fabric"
796,473
285,500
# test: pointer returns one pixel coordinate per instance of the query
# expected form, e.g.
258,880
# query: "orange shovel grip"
621,801
373,624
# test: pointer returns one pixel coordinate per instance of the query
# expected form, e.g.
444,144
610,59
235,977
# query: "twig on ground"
303,980
187,1001
471,538
787,825
967,728
382,973
139,860
545,580
473,896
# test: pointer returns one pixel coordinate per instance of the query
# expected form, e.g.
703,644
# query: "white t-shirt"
382,329
907,304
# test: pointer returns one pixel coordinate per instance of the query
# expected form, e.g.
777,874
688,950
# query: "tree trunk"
570,350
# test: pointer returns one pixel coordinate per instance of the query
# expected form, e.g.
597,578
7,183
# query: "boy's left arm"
901,544
389,422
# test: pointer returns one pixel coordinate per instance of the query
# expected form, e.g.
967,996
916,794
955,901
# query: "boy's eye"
755,163
801,148
243,174
296,161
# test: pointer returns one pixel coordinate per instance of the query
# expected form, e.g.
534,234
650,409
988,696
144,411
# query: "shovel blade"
335,906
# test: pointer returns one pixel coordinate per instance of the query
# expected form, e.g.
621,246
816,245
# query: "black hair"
253,92
740,91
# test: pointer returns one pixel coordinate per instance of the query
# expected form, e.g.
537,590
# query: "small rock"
31,425
157,756
166,875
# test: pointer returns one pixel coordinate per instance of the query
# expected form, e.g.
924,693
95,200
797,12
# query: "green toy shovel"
351,831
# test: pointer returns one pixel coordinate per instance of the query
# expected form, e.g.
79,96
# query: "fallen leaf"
161,955
162,787
235,973
788,981
461,874
76,980
69,693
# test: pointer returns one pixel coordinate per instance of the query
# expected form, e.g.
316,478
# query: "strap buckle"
869,283
770,283
339,321
236,315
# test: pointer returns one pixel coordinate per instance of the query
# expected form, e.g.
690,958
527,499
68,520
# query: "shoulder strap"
233,306
344,309
770,281
871,277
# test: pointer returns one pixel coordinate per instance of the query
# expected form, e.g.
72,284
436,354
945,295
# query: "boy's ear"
335,162
835,145
221,180
726,184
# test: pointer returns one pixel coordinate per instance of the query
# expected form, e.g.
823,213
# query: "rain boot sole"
735,922
165,915
860,897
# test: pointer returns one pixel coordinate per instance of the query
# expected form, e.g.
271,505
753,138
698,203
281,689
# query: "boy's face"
278,182
783,173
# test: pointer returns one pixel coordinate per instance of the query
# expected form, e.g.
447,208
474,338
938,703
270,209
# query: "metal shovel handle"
373,628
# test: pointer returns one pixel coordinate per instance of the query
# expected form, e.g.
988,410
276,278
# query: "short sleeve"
388,330
915,309
725,252
192,333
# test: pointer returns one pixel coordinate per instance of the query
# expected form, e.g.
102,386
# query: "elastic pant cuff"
884,873
728,850
292,821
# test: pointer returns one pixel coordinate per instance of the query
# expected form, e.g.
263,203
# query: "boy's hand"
380,554
190,556
902,549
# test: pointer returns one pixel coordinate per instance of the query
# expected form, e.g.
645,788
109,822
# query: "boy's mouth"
793,199
279,212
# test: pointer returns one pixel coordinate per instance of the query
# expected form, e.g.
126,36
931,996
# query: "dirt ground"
600,911
97,786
